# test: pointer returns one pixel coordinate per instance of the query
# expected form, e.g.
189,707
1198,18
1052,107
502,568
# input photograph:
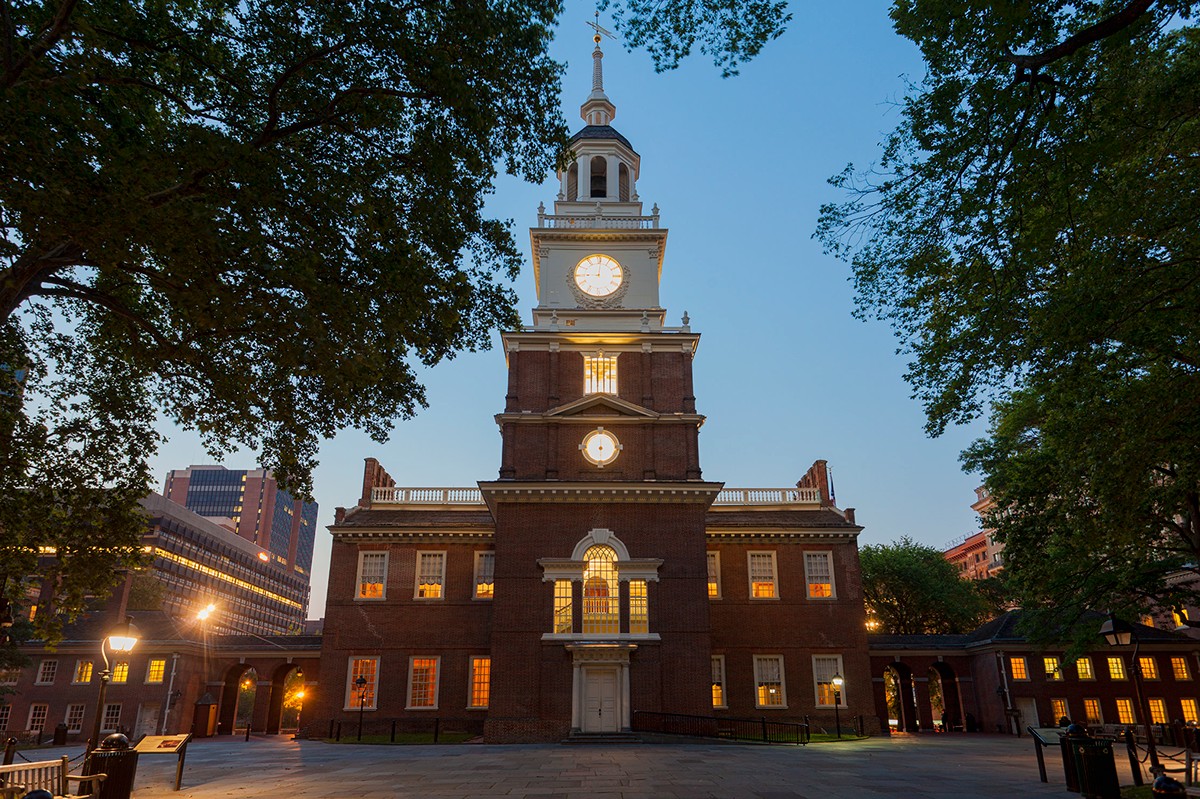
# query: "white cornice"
539,237
374,534
576,492
836,534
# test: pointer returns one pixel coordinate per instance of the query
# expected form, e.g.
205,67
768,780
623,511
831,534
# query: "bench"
18,779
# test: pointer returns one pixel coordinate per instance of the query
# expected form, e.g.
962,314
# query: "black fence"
759,730
434,729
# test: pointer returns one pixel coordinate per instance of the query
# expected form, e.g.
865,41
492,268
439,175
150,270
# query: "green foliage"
257,219
146,592
1033,235
913,589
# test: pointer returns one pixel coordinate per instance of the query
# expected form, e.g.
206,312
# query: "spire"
598,109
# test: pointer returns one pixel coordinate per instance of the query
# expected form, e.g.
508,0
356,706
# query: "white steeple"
597,109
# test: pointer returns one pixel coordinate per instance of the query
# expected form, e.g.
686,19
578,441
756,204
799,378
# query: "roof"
778,519
916,641
425,518
601,132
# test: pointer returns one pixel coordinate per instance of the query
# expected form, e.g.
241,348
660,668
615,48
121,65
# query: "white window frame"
78,725
5,717
48,664
45,716
91,672
832,582
437,683
713,566
774,575
417,577
600,373
839,668
105,714
782,682
1099,709
718,665
1091,669
352,689
481,556
472,660
358,578
150,667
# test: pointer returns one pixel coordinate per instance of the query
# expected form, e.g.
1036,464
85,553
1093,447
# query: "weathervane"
600,31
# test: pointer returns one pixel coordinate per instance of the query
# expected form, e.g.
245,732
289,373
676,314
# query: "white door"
1028,708
600,704
147,723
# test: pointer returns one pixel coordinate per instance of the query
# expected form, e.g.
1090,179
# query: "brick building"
978,556
600,574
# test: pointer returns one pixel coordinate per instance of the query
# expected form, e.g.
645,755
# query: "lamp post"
122,639
361,682
837,702
1120,633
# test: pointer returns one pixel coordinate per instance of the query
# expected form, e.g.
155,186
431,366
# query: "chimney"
850,515
817,477
373,475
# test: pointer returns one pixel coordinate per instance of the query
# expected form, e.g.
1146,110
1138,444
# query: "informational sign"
167,745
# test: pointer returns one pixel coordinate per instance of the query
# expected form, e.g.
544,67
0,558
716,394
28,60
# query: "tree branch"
1028,65
331,113
78,291
45,40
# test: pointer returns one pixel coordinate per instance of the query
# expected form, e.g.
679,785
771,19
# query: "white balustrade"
399,495
767,496
594,221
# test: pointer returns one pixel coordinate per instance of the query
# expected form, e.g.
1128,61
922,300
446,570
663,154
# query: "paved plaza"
908,767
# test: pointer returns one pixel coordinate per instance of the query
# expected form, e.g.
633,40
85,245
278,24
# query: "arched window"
601,597
599,177
573,182
623,183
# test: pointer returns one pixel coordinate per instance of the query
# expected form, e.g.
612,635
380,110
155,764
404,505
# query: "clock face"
600,447
598,275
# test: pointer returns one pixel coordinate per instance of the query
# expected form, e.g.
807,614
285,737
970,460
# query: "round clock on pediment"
599,276
600,447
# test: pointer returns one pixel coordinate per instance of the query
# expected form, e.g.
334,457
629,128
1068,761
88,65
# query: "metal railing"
760,730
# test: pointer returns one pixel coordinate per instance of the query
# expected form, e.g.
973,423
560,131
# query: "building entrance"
600,701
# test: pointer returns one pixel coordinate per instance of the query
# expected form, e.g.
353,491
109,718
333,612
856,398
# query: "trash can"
60,734
115,759
1070,766
1096,767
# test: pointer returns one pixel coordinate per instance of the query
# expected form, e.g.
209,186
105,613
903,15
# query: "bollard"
247,731
437,726
10,749
1134,765
339,731
330,729
393,731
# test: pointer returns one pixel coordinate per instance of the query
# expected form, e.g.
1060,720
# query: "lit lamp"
121,640
1120,633
361,682
837,702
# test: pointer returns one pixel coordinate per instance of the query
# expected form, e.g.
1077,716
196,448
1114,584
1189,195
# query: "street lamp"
122,639
361,682
1120,633
837,702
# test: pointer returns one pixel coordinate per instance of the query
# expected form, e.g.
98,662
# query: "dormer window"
600,374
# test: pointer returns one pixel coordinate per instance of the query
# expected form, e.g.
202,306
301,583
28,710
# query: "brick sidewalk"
904,767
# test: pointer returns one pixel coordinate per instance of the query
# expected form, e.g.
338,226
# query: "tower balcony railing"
598,222
399,495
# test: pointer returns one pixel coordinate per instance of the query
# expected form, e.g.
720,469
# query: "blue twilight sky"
784,374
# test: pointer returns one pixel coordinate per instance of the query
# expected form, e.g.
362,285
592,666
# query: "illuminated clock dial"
598,275
600,447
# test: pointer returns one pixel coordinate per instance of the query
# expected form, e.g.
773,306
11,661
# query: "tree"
1033,234
913,589
255,219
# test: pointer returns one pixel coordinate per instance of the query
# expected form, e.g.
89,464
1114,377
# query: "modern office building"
253,505
979,555
600,578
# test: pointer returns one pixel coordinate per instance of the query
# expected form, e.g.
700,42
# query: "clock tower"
600,504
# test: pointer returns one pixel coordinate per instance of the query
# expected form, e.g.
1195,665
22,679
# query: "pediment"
602,405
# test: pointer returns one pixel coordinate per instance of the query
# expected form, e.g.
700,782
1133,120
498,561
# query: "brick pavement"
904,767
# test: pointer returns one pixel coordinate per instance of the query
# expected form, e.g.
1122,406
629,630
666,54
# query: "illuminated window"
714,575
1091,707
768,681
37,717
1116,670
600,374
481,681
362,696
1050,664
762,575
74,719
120,672
155,671
1149,667
1158,711
563,621
718,681
1190,712
485,571
372,575
422,683
1180,617
1058,709
1083,667
818,573
1017,667
46,672
639,607
824,669
1125,712
1179,668
83,671
431,574
600,595
112,718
